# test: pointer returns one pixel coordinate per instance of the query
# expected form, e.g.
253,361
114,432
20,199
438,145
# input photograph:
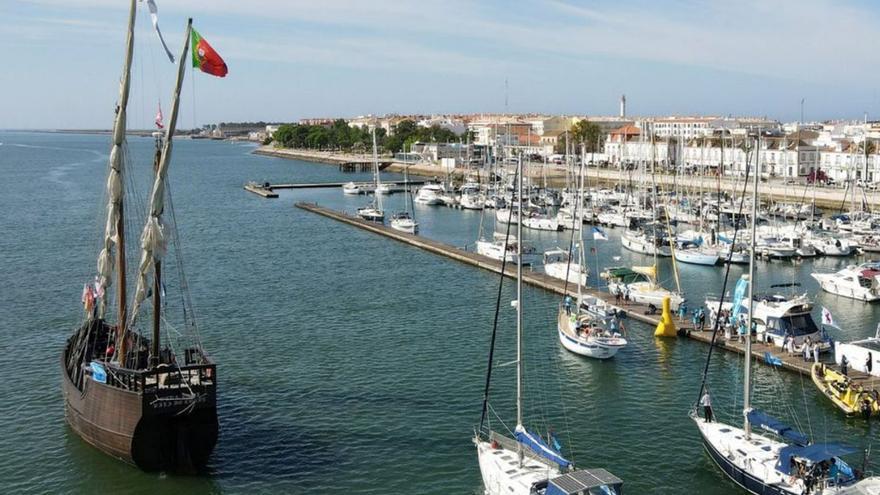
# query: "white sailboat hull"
408,226
696,257
560,269
646,293
641,245
541,223
596,347
751,464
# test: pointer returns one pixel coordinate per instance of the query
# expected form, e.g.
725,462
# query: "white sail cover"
115,191
153,242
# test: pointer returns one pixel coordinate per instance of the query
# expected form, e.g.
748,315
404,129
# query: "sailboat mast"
376,168
116,193
578,217
519,308
747,381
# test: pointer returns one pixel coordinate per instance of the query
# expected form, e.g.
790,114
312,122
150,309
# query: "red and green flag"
205,58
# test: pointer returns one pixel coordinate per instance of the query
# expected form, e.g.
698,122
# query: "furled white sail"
153,242
115,191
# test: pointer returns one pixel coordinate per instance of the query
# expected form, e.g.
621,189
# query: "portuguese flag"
205,58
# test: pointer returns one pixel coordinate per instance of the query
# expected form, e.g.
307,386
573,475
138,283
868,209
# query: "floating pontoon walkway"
634,311
267,190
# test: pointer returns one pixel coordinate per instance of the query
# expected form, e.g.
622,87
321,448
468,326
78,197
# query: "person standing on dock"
844,364
816,352
869,363
706,402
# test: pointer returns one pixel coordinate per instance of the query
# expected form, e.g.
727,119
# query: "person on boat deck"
706,402
613,325
844,364
567,303
834,470
111,349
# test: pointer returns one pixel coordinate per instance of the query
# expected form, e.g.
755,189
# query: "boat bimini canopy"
813,454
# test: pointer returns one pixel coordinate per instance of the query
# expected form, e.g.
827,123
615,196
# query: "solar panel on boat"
578,481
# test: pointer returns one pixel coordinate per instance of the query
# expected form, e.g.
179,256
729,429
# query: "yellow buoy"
666,327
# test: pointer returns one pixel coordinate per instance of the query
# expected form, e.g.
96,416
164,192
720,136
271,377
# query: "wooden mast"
118,139
157,199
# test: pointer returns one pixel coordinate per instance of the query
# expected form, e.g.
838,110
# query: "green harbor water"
348,362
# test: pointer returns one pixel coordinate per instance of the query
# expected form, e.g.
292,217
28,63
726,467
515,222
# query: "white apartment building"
784,156
846,161
625,146
693,127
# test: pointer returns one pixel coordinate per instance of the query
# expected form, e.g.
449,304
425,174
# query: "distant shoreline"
556,176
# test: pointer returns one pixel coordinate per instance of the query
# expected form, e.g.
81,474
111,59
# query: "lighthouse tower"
623,106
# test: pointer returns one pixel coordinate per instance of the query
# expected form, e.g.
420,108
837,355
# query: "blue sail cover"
817,452
773,425
538,446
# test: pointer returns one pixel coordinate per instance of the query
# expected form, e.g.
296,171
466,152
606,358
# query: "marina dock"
267,190
260,190
634,311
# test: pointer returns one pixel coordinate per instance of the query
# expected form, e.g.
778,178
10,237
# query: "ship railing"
176,378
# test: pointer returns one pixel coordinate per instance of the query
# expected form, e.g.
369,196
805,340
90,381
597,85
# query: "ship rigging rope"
716,325
495,318
185,295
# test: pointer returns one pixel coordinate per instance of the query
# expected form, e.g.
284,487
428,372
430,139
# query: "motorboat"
848,395
776,317
430,194
353,188
860,282
832,246
859,352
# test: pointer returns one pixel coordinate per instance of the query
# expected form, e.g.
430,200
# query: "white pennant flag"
826,317
154,14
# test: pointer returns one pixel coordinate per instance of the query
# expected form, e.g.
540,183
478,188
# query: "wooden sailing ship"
127,392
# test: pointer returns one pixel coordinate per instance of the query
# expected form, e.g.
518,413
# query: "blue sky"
299,58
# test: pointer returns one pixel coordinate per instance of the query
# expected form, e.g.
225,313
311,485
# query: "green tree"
587,133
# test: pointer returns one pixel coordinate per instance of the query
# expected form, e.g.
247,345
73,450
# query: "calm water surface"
349,362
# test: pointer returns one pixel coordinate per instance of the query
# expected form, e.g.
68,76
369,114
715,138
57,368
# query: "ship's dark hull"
740,476
154,435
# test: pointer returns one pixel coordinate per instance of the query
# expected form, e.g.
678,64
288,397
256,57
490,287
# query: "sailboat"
580,329
787,463
405,221
127,392
523,463
374,212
